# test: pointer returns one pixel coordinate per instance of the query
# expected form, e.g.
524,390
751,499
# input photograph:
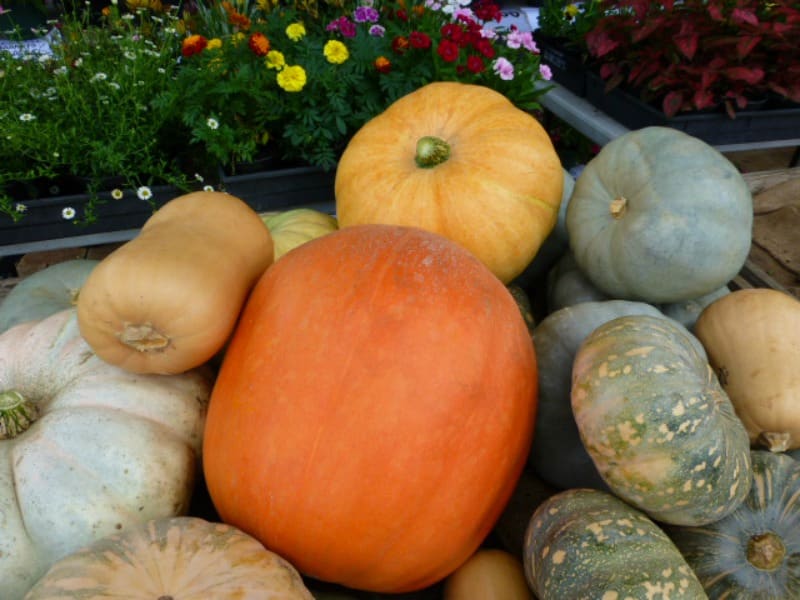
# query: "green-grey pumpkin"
753,553
45,292
588,544
659,427
660,216
557,454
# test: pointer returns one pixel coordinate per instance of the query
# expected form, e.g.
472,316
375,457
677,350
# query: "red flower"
194,44
399,44
401,14
475,64
383,65
448,50
452,31
419,40
484,46
487,11
259,44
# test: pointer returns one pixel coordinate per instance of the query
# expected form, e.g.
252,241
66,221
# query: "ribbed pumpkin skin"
685,229
583,544
167,300
374,408
185,558
108,450
498,194
290,228
752,337
658,426
718,552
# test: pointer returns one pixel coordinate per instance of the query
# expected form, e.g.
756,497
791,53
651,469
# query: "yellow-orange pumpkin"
459,160
167,300
374,408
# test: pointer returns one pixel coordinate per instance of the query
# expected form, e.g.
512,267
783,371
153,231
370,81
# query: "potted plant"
699,54
79,123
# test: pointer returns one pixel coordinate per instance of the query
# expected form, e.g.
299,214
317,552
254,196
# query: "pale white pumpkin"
86,449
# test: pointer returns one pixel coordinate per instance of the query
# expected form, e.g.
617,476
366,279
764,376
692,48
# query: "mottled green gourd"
588,544
660,429
753,553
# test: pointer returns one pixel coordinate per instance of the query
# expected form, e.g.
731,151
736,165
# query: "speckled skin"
584,544
661,431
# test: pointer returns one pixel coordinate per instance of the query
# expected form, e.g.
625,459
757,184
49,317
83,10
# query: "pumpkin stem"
774,441
143,338
618,206
16,414
765,551
431,151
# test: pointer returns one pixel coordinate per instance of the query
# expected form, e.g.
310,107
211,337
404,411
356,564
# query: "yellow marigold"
336,52
572,10
213,44
295,31
275,60
238,37
292,79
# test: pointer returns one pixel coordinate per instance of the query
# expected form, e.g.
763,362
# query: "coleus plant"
696,54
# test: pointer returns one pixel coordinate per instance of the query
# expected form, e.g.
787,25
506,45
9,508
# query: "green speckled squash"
661,431
660,216
753,553
588,544
558,455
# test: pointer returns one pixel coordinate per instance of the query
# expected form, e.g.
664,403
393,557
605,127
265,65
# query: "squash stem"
765,551
16,414
618,206
431,151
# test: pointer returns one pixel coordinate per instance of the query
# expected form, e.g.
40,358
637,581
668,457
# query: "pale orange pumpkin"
374,408
752,338
459,160
168,300
185,558
489,574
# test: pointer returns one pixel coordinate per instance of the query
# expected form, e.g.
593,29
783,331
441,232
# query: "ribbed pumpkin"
181,558
290,228
658,426
588,544
86,449
660,216
753,553
374,408
459,160
752,337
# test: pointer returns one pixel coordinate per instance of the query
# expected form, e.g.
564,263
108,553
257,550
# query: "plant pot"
281,189
565,62
713,127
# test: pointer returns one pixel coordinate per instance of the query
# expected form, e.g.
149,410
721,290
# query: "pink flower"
546,73
503,68
524,39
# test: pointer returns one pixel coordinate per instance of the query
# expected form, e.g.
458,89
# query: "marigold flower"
336,52
399,44
292,78
213,44
419,40
448,50
295,31
383,65
275,60
194,44
259,44
571,11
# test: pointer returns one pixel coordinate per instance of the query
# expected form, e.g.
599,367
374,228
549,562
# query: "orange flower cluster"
235,17
259,44
194,44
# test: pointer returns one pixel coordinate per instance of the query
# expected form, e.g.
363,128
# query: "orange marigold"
235,17
383,64
259,44
194,44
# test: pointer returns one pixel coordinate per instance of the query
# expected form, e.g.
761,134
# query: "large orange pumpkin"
374,408
460,160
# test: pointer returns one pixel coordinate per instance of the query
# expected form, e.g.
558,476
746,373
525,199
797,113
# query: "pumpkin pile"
360,394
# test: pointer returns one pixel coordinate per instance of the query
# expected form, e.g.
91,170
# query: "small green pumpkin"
589,544
753,553
659,427
660,216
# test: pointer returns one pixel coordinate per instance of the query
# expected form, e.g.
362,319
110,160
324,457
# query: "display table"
601,129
